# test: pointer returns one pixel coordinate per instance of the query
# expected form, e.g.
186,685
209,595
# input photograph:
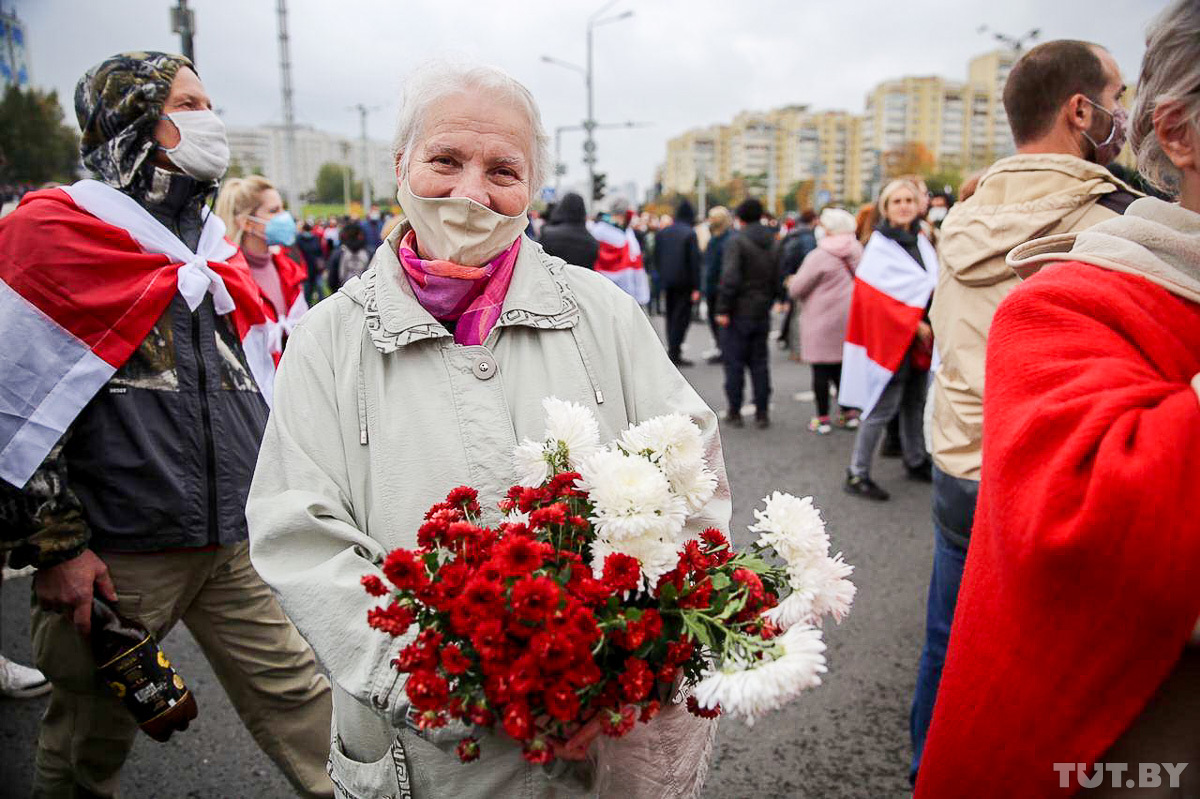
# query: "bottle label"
143,679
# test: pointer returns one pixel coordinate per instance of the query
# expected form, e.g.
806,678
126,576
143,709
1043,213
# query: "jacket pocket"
381,779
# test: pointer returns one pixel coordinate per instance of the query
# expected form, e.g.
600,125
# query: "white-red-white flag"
891,292
85,273
619,258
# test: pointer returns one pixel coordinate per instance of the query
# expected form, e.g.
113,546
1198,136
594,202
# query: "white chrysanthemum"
832,592
792,527
655,557
672,441
515,516
572,425
819,586
631,497
696,486
795,608
530,463
751,689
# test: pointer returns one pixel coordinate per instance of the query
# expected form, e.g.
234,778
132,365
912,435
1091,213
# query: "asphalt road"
847,738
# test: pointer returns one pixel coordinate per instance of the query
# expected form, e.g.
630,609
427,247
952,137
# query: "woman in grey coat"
423,375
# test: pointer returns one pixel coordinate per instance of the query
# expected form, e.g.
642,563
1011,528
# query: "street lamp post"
559,167
589,124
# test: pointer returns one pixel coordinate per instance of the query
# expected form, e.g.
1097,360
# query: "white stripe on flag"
886,266
47,376
257,346
633,281
863,380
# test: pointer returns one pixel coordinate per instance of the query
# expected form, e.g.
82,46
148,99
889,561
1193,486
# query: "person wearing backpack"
749,287
350,258
793,249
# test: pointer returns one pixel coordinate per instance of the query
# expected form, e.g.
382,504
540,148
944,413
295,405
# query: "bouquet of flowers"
590,602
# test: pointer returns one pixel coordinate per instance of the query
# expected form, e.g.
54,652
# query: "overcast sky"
674,63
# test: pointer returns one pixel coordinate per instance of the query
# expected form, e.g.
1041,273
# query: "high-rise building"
990,136
261,150
14,52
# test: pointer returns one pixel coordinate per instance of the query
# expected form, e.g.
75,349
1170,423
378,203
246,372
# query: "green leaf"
721,581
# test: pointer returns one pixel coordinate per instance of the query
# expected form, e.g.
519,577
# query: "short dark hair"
809,216
750,211
1044,79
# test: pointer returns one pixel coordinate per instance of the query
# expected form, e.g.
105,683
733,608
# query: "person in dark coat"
309,245
566,235
720,226
794,248
677,258
749,286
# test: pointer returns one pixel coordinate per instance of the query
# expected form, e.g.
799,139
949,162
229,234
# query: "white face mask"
936,214
203,151
458,229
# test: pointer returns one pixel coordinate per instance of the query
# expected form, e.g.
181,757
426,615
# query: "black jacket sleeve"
731,275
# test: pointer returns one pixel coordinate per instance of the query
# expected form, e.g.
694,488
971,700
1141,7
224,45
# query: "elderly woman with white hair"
823,285
1075,635
423,375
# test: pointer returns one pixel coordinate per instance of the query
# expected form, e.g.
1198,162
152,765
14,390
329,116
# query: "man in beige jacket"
1063,100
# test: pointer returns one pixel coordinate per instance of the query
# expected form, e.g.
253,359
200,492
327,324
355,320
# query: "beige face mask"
458,229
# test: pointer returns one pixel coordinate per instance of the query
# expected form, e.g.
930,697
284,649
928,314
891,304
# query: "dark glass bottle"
138,673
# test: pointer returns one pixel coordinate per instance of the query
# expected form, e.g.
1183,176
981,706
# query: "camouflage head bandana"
118,102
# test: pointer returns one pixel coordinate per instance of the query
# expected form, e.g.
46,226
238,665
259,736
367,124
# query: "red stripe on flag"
881,324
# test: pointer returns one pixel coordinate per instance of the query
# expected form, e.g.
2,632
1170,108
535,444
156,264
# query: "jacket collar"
538,296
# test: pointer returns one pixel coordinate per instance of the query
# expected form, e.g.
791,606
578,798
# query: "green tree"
330,184
35,145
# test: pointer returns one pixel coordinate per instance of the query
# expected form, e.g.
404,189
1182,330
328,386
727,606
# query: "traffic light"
598,187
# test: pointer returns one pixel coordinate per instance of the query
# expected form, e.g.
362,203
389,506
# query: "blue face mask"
280,229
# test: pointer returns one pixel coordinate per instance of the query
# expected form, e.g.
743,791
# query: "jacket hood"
1020,198
570,210
760,234
1157,240
842,245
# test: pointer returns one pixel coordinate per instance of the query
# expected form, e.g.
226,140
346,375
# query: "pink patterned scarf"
470,296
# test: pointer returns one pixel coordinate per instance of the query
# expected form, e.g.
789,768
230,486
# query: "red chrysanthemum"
518,556
616,723
693,559
550,515
405,569
714,537
481,596
652,623
534,598
755,593
464,498
467,749
374,585
562,485
518,721
636,680
480,715
680,652
621,572
538,751
393,620
453,659
699,597
430,720
427,690
649,710
694,708
562,702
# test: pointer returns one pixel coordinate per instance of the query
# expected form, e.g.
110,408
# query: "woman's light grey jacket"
377,415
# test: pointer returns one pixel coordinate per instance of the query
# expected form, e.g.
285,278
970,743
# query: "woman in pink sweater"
823,287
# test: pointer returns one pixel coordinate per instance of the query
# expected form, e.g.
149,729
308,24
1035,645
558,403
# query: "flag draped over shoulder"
619,258
85,273
891,292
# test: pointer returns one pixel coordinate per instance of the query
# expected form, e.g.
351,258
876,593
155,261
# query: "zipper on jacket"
206,418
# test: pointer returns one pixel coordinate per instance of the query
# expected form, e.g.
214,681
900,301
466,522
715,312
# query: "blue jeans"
953,516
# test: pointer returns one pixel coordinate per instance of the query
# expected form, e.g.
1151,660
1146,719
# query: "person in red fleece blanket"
1073,658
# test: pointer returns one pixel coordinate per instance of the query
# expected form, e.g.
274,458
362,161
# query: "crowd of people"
219,415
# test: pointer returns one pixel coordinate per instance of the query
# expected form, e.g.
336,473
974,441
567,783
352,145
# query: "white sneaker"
21,682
